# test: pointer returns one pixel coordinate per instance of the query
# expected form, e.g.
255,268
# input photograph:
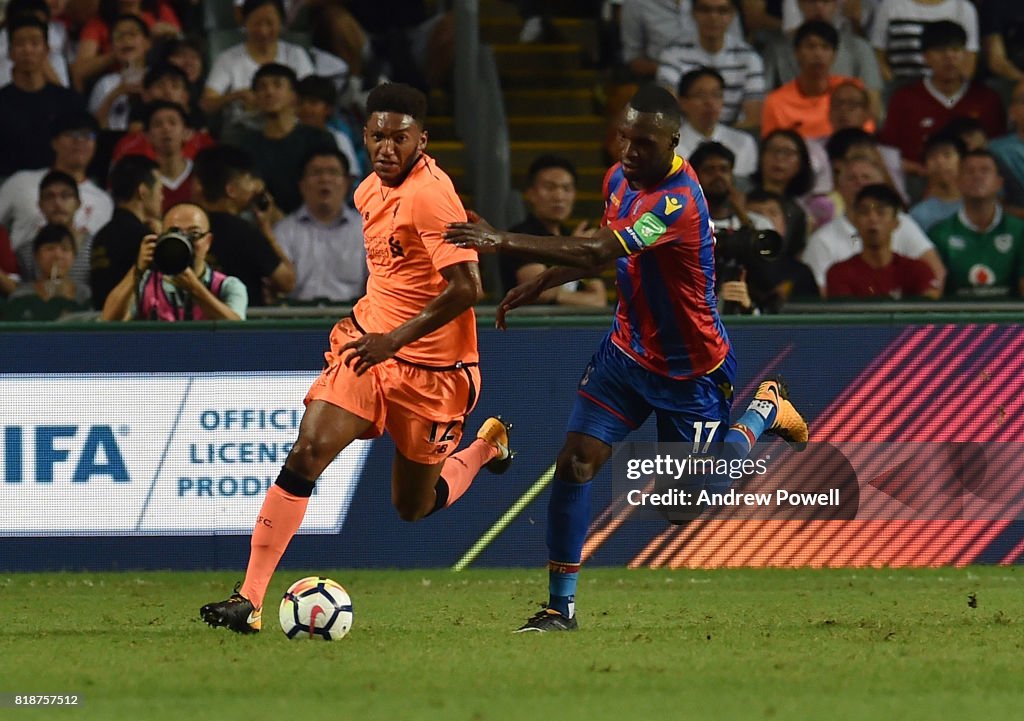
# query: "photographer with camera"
171,280
752,272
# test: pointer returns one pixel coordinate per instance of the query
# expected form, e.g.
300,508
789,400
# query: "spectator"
1002,37
231,78
899,27
226,186
57,38
280,147
164,83
1009,151
849,112
739,64
789,277
196,293
551,194
317,101
713,163
30,102
651,26
95,54
839,239
942,154
58,203
803,103
54,293
114,94
187,55
73,143
927,105
138,194
876,271
784,168
854,57
701,94
324,237
166,130
981,246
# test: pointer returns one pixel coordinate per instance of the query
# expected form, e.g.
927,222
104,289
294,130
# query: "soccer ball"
316,607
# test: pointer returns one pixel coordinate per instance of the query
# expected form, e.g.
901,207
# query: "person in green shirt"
981,246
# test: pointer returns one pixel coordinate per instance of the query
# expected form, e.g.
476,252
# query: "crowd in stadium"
882,141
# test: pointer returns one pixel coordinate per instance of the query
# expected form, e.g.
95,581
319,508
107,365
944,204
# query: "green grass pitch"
736,644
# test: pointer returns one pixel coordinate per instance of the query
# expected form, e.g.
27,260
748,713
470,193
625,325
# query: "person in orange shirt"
406,360
802,104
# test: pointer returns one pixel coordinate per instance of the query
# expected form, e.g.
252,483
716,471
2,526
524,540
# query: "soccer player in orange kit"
406,360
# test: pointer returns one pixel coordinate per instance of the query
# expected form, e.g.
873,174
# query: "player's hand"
477,236
525,294
368,351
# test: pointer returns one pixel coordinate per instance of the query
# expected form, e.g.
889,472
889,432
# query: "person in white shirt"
74,143
701,94
324,237
839,240
230,80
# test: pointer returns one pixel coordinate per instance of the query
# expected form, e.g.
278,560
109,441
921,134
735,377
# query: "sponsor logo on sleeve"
649,228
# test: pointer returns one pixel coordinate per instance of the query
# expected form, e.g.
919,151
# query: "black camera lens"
173,252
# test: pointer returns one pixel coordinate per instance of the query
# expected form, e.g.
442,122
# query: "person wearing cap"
918,110
73,144
30,102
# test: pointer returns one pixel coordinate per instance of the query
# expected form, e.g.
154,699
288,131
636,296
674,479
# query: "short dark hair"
219,165
325,151
318,87
128,174
73,120
251,6
942,34
163,70
58,177
962,125
130,18
943,139
706,151
881,193
981,153
839,144
817,29
156,106
26,20
53,234
543,162
688,80
397,98
275,70
34,7
656,99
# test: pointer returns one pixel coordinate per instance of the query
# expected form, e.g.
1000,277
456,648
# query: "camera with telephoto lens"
746,246
173,252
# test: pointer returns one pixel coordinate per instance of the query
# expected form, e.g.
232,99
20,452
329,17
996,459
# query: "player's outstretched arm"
463,291
527,293
576,252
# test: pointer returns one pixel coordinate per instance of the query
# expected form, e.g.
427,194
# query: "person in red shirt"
95,55
166,129
926,106
877,272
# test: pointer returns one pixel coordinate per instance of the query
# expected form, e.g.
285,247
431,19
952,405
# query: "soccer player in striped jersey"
667,351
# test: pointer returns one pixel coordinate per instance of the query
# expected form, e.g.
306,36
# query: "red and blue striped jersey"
667,314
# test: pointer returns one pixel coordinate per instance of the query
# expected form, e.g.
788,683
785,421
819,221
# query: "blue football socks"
568,519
